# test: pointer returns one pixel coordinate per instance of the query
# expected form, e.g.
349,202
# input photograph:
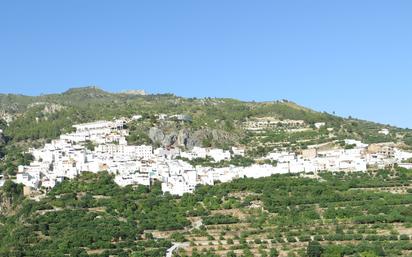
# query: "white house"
318,125
238,151
384,131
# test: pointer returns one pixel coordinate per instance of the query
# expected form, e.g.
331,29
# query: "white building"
219,154
357,143
318,125
133,165
384,131
238,151
137,117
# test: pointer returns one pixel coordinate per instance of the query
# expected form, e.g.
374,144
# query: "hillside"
215,122
58,111
350,215
295,214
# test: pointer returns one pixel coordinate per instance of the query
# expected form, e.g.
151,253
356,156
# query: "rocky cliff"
189,138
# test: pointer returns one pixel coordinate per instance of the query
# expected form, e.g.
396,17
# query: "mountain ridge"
90,92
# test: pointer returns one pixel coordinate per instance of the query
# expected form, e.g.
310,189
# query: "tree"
149,236
273,253
11,189
178,237
247,253
314,249
231,254
333,251
3,124
89,145
368,254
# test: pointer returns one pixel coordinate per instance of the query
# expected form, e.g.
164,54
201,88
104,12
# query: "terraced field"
358,214
348,214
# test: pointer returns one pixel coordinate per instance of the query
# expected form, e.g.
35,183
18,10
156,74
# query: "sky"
350,57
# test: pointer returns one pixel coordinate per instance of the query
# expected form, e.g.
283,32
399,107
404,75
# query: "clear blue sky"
352,57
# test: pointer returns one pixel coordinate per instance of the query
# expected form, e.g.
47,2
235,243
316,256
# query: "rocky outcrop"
48,107
161,137
7,117
134,92
52,108
188,138
156,135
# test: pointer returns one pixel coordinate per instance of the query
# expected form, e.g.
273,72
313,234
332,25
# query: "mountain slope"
216,122
77,105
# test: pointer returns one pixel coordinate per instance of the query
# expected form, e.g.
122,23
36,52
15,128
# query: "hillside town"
102,146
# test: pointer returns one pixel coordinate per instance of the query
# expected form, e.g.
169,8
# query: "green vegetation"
219,219
14,157
92,216
209,162
89,215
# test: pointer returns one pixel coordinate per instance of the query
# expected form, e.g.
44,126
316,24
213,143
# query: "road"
175,246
